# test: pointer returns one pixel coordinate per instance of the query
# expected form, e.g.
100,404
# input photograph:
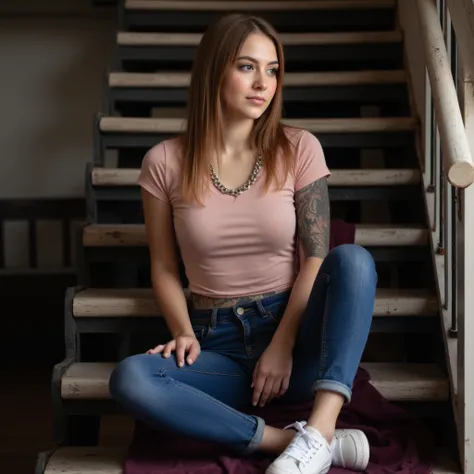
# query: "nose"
261,81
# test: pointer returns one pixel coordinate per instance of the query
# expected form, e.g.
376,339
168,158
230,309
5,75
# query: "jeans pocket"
275,311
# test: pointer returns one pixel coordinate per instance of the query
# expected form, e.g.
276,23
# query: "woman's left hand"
272,373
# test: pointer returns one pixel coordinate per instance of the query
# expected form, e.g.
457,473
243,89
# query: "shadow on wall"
52,82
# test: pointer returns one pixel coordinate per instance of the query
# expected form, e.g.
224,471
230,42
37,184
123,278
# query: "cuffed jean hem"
257,438
333,386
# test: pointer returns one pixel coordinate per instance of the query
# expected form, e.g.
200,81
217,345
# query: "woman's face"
251,83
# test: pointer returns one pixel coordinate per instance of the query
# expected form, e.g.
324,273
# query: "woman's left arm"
272,373
313,221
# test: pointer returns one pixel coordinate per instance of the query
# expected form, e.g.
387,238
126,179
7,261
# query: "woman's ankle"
326,409
275,440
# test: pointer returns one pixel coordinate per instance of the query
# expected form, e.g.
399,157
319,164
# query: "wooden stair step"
122,125
106,460
415,382
339,177
291,79
86,460
133,235
254,5
140,302
126,38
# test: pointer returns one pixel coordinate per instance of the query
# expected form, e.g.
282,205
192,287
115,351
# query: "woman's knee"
127,377
354,260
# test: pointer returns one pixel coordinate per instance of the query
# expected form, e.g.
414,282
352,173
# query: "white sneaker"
350,449
308,453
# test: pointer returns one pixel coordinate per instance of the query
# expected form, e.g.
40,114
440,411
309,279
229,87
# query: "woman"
241,196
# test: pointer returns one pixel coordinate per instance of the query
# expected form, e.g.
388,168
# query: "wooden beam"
323,125
133,235
390,235
400,382
278,5
140,302
125,38
340,177
292,79
106,460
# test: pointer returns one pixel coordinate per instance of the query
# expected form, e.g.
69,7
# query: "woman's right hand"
181,345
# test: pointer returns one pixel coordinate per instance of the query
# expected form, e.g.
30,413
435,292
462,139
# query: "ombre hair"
215,56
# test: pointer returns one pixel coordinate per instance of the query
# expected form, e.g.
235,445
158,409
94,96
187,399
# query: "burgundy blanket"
399,443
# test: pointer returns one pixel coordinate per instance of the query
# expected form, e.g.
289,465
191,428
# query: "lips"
256,99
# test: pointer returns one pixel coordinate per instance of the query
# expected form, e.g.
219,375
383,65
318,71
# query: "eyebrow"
249,58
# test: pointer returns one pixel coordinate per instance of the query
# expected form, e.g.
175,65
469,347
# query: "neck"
237,136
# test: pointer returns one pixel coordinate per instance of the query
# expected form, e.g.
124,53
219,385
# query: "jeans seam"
323,335
214,400
163,372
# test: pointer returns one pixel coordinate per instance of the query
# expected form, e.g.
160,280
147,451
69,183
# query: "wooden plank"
291,79
395,381
87,381
126,38
278,5
374,177
133,235
86,460
114,235
405,302
100,460
339,177
390,235
140,302
110,124
409,381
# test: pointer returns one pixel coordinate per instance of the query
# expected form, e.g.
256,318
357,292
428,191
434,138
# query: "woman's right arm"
167,287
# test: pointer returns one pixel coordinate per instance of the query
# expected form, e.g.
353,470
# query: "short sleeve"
310,161
152,175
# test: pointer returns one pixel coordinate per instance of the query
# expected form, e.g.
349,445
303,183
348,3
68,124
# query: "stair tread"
110,124
291,79
128,302
256,5
125,235
126,38
395,381
106,460
339,177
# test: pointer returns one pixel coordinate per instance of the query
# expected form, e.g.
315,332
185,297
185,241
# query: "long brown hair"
215,55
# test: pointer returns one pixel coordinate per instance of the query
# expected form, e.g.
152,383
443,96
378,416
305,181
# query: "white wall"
53,55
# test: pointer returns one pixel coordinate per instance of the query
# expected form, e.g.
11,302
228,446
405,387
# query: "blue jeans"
204,400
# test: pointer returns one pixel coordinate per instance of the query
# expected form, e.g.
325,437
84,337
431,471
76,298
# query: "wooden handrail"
454,142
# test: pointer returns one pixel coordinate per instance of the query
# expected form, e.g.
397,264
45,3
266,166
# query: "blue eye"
243,66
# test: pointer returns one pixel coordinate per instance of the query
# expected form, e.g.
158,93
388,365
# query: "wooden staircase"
346,83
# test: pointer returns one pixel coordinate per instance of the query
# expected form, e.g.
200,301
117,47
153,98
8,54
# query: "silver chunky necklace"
236,192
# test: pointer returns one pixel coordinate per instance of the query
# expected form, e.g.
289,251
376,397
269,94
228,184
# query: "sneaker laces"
299,451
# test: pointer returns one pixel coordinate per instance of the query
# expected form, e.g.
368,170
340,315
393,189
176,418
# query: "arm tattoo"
313,216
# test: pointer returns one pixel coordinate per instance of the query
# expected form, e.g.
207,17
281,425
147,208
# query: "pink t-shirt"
235,246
